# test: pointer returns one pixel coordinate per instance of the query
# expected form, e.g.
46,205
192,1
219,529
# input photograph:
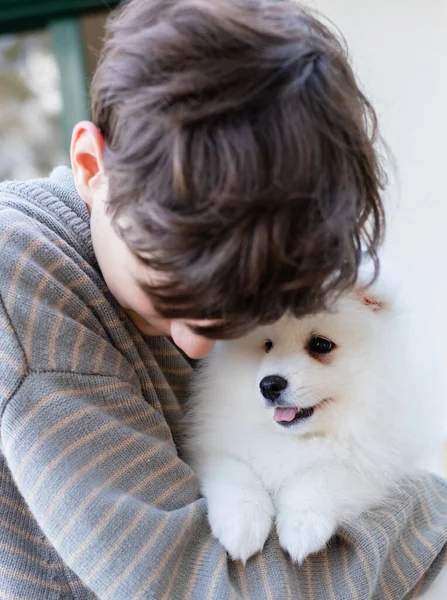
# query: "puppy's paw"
303,533
242,523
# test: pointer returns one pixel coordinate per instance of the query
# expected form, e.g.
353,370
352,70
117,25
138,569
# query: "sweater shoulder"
53,205
55,301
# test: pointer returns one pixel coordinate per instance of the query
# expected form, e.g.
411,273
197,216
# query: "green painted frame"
21,15
67,47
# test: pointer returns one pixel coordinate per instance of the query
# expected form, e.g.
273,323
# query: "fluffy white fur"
375,419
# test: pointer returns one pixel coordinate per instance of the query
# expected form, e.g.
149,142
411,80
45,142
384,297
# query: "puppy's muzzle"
272,386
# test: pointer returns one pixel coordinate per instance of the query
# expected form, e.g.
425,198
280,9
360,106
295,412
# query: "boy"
229,175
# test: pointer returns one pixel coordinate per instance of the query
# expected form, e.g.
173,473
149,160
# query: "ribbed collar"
56,199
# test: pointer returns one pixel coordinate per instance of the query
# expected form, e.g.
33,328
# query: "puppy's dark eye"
320,345
268,345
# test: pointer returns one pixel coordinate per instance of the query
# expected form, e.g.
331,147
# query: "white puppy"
311,421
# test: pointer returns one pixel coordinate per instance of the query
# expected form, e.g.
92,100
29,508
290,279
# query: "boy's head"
237,152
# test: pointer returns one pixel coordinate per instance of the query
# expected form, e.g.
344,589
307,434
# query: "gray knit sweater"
94,499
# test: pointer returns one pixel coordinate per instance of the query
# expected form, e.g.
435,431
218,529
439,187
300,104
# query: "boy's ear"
86,154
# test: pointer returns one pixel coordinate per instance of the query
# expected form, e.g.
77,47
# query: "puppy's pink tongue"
284,414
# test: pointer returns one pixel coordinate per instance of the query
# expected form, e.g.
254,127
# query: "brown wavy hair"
240,151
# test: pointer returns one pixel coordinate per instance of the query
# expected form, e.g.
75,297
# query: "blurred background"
49,48
48,51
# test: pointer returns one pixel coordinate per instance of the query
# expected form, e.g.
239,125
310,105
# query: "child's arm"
118,505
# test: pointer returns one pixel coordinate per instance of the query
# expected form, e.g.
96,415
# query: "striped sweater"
95,501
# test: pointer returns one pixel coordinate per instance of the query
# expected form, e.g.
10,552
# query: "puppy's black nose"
272,386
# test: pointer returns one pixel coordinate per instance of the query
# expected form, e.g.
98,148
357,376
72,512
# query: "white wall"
399,51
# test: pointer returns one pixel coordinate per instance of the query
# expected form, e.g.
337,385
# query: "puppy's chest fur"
277,457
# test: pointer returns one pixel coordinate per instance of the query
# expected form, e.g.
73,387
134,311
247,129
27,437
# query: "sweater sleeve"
118,505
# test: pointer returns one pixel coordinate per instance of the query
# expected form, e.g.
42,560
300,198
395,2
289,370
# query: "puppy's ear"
367,297
386,293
